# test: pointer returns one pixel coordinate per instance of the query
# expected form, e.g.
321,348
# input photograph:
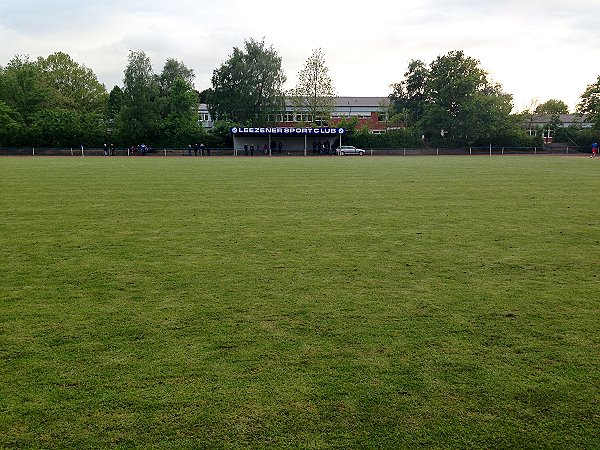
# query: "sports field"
436,302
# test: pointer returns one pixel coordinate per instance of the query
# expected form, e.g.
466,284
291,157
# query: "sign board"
285,131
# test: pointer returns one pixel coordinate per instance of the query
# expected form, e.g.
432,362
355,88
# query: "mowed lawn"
357,302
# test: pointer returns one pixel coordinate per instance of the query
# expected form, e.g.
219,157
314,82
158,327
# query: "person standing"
594,149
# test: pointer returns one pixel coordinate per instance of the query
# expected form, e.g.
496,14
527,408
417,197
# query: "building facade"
370,112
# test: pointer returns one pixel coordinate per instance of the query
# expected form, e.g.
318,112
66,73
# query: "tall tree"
314,94
10,124
175,75
409,96
55,101
139,118
173,70
74,85
552,106
590,102
181,123
454,103
248,87
23,89
114,103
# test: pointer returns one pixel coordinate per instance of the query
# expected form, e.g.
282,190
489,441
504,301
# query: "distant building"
370,112
204,118
544,124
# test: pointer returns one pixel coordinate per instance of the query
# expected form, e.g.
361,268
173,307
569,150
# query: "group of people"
324,148
275,147
141,149
198,148
109,150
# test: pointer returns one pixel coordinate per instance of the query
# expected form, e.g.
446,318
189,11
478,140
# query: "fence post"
437,152
33,149
404,151
503,150
470,151
490,149
567,150
535,150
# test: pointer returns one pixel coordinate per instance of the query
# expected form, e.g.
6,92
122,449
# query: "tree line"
57,102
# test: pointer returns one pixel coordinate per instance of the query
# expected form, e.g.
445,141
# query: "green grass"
446,302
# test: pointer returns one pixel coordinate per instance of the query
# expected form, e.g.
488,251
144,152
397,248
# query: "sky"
536,49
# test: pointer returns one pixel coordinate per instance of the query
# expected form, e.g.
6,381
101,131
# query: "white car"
350,150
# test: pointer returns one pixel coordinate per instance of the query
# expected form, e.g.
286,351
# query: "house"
546,124
204,119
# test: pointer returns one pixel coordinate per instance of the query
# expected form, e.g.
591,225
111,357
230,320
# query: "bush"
400,138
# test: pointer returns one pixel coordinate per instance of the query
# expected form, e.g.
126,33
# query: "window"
303,117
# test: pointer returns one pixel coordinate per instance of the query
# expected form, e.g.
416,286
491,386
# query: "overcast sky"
536,49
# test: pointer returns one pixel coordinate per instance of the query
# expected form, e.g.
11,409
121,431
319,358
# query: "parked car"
350,150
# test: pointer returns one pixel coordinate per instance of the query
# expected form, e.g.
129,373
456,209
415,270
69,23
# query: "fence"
186,152
79,152
474,151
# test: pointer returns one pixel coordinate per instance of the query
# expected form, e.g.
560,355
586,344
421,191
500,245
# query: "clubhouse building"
369,111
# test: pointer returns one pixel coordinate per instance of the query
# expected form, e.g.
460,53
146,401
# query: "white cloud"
534,48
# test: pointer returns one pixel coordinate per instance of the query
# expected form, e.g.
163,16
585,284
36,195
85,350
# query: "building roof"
357,102
371,102
543,119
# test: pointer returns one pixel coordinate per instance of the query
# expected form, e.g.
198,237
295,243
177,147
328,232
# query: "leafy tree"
115,102
247,88
51,99
452,102
23,89
204,95
314,94
139,119
178,104
590,103
114,105
220,135
552,106
181,124
56,127
77,102
74,86
409,96
401,138
172,71
10,124
577,137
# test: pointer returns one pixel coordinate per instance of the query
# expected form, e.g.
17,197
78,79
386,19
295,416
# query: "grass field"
438,302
